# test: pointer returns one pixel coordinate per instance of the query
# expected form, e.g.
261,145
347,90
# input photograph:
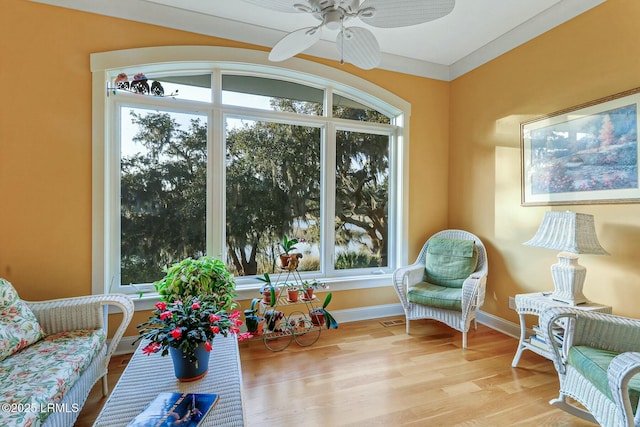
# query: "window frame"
219,60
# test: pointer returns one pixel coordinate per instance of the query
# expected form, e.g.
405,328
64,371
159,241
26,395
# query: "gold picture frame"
586,154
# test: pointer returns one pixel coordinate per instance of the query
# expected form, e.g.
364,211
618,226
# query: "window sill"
250,291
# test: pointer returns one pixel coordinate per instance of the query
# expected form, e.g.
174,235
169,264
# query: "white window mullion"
216,205
400,157
112,200
328,207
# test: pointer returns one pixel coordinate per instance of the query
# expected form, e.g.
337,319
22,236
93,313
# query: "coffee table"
147,375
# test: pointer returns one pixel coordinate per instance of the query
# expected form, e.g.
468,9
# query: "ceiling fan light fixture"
333,19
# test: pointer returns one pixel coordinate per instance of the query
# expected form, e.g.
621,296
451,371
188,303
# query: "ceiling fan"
356,45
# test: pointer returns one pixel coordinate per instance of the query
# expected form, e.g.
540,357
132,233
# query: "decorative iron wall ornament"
139,85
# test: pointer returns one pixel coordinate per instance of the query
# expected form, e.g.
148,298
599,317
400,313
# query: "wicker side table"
147,375
535,303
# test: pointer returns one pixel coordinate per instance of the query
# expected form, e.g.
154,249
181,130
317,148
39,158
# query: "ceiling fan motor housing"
319,7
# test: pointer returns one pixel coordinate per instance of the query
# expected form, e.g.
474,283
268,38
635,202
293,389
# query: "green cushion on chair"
593,363
436,296
450,261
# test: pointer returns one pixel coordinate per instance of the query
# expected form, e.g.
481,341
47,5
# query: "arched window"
205,150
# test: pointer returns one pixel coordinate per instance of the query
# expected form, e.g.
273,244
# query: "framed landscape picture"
583,155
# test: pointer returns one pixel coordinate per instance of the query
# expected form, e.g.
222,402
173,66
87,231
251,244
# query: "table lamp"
571,233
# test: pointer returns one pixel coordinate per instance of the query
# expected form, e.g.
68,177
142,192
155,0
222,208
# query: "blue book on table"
175,409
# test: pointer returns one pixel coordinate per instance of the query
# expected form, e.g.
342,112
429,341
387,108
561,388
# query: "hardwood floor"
367,374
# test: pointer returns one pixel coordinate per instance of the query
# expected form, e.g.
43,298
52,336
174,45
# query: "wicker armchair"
596,363
471,293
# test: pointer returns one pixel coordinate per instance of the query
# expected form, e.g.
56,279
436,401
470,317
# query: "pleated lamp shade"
568,232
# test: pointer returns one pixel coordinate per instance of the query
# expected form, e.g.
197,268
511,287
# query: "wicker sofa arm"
605,331
548,319
86,312
592,329
622,368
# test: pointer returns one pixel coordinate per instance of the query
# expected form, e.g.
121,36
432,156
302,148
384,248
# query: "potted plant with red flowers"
186,329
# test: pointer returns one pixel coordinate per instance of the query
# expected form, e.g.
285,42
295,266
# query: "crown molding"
554,16
180,19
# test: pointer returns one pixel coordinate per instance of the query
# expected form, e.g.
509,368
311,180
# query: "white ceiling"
474,33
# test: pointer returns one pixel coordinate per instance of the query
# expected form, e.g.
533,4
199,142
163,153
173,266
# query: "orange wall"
45,143
592,56
464,140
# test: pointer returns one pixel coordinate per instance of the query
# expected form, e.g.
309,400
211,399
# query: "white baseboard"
499,324
366,313
373,312
126,345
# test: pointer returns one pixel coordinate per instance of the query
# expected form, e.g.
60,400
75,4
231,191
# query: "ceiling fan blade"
402,13
359,46
278,5
294,43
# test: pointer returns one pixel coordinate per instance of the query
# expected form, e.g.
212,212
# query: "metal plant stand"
284,322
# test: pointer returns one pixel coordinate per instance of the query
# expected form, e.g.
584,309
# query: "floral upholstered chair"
446,282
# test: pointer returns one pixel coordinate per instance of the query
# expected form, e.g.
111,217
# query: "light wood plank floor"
367,374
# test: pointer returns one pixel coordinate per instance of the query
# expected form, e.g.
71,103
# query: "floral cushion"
18,325
8,294
41,374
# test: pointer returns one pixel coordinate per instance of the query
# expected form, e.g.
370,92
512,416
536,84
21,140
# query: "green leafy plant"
185,324
288,244
206,278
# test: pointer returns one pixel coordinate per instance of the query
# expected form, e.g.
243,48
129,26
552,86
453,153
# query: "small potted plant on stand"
293,292
186,329
268,290
254,322
309,287
287,246
320,316
273,320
